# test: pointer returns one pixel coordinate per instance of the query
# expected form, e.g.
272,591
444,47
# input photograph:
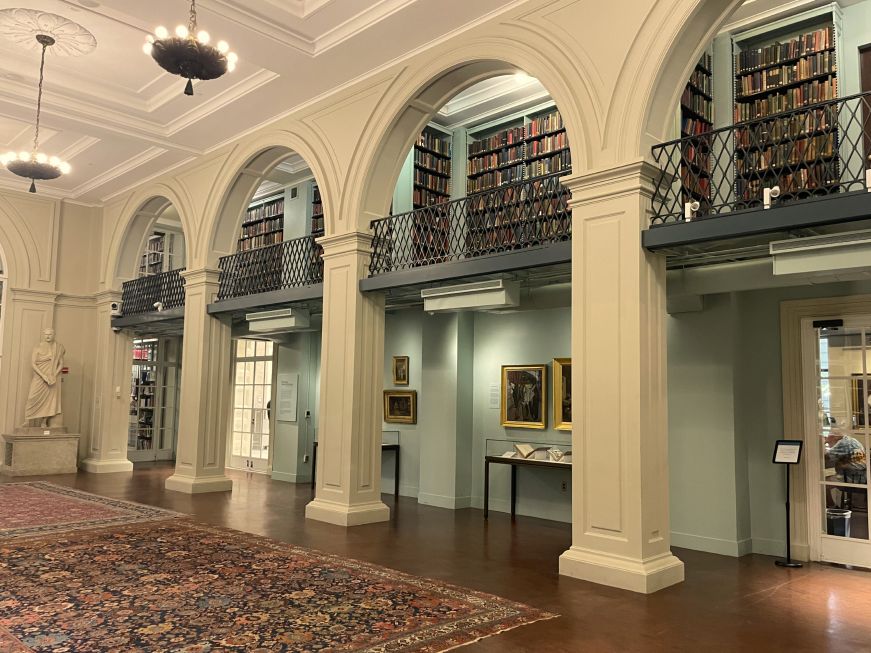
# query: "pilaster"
349,439
205,391
620,522
107,446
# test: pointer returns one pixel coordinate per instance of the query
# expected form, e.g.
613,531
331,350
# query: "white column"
205,391
620,525
352,368
107,446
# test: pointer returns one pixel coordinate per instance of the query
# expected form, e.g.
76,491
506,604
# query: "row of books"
770,79
544,124
793,98
706,62
440,144
701,81
317,223
496,178
495,160
250,229
699,157
502,139
265,210
806,179
801,151
423,197
694,126
556,163
546,144
697,104
532,210
432,182
246,244
801,46
695,185
765,132
432,162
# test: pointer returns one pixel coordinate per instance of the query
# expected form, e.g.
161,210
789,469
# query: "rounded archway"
155,241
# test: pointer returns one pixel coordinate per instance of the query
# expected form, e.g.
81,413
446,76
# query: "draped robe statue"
43,399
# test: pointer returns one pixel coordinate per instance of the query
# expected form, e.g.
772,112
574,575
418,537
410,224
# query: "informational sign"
286,397
494,395
787,452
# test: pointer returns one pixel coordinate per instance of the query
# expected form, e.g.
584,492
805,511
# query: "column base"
341,514
95,466
191,485
644,576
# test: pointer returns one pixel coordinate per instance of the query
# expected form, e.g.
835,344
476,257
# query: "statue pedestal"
35,451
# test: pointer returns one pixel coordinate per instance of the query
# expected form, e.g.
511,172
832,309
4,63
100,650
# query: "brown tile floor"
726,604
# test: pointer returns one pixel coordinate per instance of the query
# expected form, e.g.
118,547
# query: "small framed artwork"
400,406
400,370
524,390
562,394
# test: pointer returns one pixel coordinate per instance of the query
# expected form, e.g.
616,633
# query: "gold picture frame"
562,394
401,370
524,396
400,406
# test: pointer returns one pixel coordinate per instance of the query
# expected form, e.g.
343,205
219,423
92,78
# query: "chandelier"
188,53
24,26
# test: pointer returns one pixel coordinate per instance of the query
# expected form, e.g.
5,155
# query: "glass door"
154,399
841,438
252,398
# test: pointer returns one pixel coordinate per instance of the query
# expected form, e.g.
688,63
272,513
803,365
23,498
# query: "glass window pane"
240,348
249,373
260,349
267,367
844,351
240,373
238,394
237,443
248,397
269,348
246,445
238,420
258,372
845,459
846,511
249,348
259,401
836,400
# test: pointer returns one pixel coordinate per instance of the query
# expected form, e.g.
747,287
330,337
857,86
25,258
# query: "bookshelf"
317,212
159,255
140,434
263,224
796,69
432,168
496,158
696,119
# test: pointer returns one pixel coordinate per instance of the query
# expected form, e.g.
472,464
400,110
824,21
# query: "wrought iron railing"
154,293
289,264
505,219
815,151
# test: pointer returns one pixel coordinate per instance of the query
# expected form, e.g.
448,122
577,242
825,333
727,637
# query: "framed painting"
562,394
400,370
524,390
400,406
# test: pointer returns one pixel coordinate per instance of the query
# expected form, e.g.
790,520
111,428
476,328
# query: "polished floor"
726,604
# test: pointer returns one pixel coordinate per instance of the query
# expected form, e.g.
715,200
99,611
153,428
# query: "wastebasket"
838,521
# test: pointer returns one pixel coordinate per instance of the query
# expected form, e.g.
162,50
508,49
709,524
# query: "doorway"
154,399
250,438
836,364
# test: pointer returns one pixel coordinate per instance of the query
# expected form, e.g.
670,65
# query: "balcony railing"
157,292
290,264
816,151
506,219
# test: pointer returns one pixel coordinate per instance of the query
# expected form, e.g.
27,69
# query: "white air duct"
278,321
478,296
823,255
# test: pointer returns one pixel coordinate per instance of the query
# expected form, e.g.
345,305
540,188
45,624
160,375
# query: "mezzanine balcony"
516,226
154,303
787,172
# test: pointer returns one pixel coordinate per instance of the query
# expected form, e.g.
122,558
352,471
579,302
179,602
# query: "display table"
384,447
515,463
36,451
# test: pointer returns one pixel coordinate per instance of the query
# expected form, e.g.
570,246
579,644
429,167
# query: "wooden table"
384,447
515,463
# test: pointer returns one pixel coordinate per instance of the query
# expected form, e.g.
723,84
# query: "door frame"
795,417
229,456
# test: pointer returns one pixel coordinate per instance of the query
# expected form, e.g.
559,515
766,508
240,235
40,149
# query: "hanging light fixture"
48,30
188,54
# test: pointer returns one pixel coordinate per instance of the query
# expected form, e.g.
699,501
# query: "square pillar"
205,391
348,473
620,524
107,446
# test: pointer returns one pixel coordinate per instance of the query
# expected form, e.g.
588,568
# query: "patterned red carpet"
176,585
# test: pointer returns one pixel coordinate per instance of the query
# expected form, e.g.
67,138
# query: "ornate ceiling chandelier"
30,28
188,53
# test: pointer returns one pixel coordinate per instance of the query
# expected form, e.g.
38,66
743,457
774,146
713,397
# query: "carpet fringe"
544,617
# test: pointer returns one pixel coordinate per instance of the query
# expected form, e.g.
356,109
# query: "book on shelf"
432,168
496,141
801,46
787,100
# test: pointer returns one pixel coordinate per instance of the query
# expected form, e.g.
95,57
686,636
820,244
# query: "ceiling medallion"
188,53
27,27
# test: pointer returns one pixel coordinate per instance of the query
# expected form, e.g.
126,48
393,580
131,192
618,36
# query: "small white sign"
286,397
494,395
787,452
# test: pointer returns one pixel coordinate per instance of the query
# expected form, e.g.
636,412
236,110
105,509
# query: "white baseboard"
440,501
720,546
287,477
768,547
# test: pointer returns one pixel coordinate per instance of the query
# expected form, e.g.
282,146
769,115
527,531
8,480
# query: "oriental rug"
177,585
38,508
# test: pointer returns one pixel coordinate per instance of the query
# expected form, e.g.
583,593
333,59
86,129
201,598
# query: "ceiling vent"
278,321
822,255
476,296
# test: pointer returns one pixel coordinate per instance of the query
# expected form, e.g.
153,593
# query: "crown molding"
380,10
265,26
146,180
121,169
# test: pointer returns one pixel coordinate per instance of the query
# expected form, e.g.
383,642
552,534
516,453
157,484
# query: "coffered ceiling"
119,120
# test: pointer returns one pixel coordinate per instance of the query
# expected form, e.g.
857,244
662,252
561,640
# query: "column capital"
201,276
347,243
606,183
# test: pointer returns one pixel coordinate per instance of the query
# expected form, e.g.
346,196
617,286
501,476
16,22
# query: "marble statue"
43,399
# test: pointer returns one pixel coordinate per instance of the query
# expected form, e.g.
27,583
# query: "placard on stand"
787,453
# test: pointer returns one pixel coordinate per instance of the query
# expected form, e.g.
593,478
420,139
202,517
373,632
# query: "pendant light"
187,53
30,28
